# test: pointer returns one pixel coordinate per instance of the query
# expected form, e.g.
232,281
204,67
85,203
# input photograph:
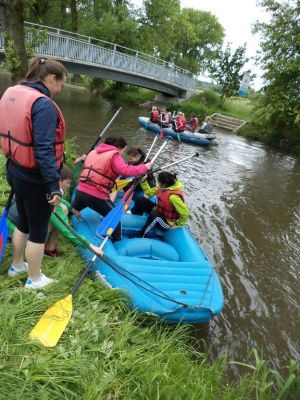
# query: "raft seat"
146,248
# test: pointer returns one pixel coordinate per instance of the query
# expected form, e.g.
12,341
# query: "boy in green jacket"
170,212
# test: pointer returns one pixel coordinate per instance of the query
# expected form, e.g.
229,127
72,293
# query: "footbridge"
97,58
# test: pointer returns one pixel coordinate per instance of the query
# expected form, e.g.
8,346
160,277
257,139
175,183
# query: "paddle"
54,321
3,225
121,183
151,147
124,182
78,166
111,220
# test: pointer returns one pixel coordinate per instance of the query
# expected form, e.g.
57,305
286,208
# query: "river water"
244,203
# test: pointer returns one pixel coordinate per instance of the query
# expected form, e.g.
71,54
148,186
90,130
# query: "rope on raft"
160,293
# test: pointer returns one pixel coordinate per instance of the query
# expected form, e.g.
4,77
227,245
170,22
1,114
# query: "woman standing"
32,130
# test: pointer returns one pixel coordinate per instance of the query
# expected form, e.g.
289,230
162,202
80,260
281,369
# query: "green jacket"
57,224
174,199
60,227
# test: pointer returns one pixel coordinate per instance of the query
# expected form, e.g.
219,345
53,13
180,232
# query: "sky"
236,17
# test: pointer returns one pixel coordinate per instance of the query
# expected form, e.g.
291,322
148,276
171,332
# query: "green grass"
128,94
108,351
207,102
238,107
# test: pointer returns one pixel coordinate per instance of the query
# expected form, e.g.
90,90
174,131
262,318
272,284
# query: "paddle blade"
3,233
110,221
53,322
121,183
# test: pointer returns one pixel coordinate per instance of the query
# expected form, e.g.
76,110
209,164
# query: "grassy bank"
208,102
108,351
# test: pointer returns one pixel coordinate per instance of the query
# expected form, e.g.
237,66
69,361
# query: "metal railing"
70,46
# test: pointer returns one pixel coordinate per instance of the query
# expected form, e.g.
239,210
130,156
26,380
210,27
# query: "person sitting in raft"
165,118
55,226
136,156
179,122
170,212
207,126
102,167
154,116
192,125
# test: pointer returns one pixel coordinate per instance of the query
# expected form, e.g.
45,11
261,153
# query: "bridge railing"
65,45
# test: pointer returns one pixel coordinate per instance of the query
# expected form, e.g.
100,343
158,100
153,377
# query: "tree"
13,18
226,71
196,40
158,22
188,38
277,108
74,16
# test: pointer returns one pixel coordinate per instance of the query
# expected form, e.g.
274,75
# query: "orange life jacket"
164,207
97,170
16,126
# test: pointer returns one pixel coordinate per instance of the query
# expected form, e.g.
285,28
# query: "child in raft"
170,212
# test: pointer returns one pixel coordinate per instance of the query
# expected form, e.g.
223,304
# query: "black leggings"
142,204
103,207
34,211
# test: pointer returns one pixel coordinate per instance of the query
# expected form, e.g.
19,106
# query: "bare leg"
19,240
34,253
52,238
113,196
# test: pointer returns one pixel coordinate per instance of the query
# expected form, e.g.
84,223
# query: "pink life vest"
97,170
154,116
194,123
180,122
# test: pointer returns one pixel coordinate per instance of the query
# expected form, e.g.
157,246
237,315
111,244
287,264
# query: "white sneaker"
13,271
41,283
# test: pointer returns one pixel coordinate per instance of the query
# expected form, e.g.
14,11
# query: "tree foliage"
186,37
197,40
13,18
278,107
226,70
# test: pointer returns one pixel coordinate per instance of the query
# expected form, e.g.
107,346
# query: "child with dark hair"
170,212
136,156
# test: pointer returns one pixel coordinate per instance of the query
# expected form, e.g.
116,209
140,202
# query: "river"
244,203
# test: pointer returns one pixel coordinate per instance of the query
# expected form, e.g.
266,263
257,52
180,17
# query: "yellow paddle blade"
121,183
53,322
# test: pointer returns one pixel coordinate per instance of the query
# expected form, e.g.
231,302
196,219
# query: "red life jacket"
180,122
154,116
164,207
194,123
97,170
16,126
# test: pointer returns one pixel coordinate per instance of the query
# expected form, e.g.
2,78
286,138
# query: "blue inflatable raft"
200,139
167,275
